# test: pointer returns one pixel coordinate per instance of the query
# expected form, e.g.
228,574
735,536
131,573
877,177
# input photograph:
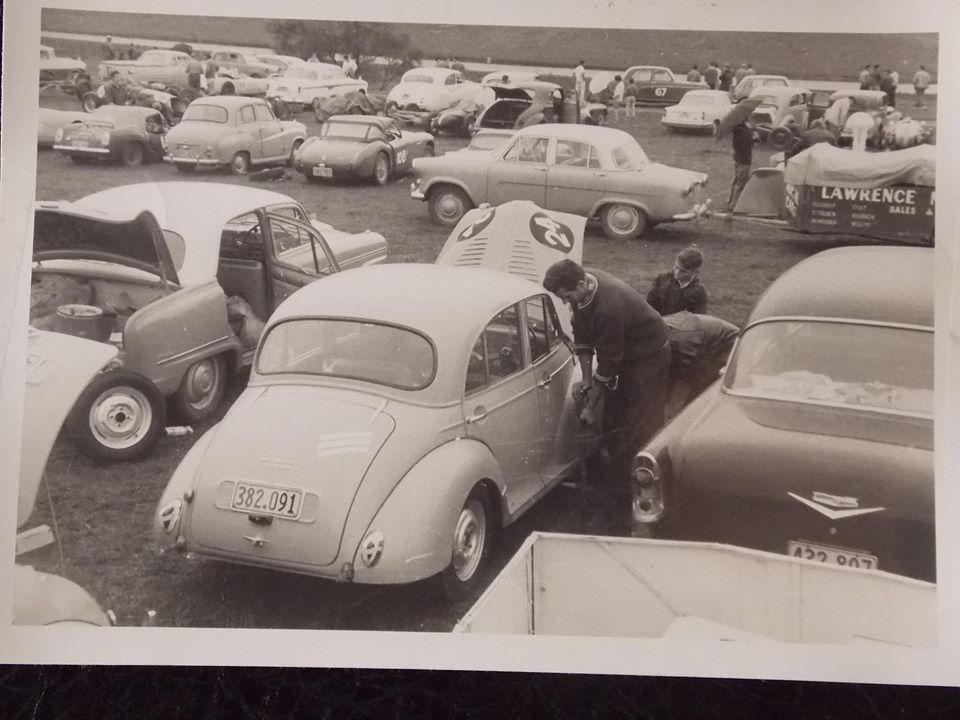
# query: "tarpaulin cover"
825,164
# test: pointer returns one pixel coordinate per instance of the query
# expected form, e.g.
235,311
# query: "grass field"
818,56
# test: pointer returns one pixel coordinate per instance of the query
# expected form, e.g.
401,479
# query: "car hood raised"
766,449
317,440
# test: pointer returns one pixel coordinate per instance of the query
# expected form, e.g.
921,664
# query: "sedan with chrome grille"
818,440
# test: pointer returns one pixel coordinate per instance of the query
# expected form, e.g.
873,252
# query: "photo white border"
436,650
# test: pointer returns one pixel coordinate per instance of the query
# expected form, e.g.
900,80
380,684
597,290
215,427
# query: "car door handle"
479,414
545,381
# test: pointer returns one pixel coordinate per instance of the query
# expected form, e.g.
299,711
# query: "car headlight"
104,137
58,136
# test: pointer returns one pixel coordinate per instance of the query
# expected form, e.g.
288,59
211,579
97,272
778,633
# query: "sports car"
232,131
386,442
818,440
597,172
244,63
364,146
181,277
117,133
232,82
697,110
658,85
49,121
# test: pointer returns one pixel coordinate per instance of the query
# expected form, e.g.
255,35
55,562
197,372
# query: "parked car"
658,85
58,70
785,112
232,131
383,442
697,110
58,368
181,276
583,169
531,102
171,100
431,89
751,82
244,63
302,86
281,62
818,441
165,66
364,146
844,103
49,121
114,133
232,82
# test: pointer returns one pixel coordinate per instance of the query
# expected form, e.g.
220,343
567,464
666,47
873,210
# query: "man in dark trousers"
742,160
680,288
629,338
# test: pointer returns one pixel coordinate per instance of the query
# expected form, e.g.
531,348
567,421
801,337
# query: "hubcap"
120,417
240,163
624,219
468,539
381,171
449,207
201,383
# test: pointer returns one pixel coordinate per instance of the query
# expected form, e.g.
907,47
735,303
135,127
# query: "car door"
501,406
274,142
645,90
155,127
575,177
296,252
520,173
664,87
405,149
553,366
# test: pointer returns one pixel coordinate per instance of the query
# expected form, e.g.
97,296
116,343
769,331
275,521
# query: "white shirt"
579,75
618,91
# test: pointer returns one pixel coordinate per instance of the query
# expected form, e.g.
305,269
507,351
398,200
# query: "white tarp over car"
825,164
578,585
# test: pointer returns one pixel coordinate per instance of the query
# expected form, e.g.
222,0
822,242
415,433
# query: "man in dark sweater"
742,160
680,288
629,338
700,346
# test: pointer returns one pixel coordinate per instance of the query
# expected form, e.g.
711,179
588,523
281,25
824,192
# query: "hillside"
813,56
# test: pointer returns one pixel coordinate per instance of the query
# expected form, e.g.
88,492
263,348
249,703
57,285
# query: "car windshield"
482,141
299,71
417,78
354,349
205,113
767,99
695,98
344,131
834,363
630,156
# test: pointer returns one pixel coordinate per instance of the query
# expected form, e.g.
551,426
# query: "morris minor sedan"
181,278
658,85
362,146
818,440
697,110
384,443
431,90
232,131
597,172
114,133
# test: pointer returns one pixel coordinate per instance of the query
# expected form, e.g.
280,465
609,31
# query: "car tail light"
646,484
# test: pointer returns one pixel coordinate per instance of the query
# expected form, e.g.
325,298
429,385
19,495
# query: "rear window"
630,156
205,113
344,131
867,366
351,349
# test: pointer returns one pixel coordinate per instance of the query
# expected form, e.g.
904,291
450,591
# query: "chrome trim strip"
191,351
73,148
845,321
823,403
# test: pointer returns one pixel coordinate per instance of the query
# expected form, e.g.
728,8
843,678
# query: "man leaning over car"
629,338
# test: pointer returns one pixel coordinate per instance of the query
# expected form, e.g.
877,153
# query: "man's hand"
580,389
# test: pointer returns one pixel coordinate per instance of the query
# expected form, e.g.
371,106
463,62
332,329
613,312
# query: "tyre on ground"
447,204
470,547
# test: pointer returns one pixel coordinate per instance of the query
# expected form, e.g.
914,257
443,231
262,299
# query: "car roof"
450,305
436,72
379,120
230,102
707,93
163,51
870,283
611,137
634,68
767,77
778,91
197,211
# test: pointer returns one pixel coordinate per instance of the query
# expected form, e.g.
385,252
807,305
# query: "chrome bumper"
71,148
192,161
699,210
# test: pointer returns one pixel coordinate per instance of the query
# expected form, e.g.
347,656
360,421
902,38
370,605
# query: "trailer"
580,585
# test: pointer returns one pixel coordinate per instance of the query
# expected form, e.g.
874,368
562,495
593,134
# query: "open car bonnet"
127,236
58,369
519,238
305,450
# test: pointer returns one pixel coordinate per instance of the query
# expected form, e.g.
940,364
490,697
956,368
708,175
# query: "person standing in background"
107,49
726,77
630,98
739,75
712,75
694,75
921,81
680,288
865,77
619,92
580,83
895,82
742,161
194,71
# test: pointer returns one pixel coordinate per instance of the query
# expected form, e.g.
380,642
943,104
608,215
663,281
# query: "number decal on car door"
401,156
660,91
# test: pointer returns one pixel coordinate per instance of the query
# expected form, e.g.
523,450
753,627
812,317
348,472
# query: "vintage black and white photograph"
384,323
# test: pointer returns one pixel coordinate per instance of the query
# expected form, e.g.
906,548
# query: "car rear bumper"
203,162
687,124
699,210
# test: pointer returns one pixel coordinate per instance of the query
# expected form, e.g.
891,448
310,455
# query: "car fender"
620,200
447,180
43,599
363,161
418,517
235,142
170,518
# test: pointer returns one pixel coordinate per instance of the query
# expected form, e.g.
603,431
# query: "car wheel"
90,101
780,138
470,547
240,163
83,87
447,204
201,390
293,151
381,170
118,416
227,89
131,154
623,222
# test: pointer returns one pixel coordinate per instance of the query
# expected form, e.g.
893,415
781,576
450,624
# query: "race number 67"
660,91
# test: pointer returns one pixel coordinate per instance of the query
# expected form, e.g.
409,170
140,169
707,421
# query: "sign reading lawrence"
894,213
